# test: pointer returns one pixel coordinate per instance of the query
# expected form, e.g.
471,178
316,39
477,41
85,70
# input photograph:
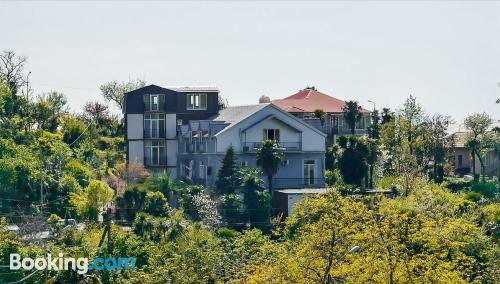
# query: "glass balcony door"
309,172
154,125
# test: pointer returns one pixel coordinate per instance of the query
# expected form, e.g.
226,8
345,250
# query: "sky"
445,53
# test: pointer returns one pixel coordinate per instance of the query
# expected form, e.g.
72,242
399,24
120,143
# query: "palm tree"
352,114
321,114
269,158
386,115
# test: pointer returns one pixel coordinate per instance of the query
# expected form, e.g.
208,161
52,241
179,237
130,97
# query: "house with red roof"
306,101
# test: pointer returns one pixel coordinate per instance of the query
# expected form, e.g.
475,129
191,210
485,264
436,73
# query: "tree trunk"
473,154
371,176
270,183
483,168
434,167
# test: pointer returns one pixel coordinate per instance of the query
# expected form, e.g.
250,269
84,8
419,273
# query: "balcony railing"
285,146
347,131
154,133
155,162
298,182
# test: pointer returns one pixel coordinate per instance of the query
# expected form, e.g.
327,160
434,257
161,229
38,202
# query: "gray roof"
303,191
235,114
194,88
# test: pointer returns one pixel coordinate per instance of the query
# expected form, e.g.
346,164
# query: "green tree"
352,163
439,142
93,200
49,109
73,131
477,124
374,128
321,115
228,179
269,158
352,114
114,91
386,115
257,200
156,204
373,155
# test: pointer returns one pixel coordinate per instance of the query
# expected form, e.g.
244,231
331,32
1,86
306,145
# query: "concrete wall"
171,151
171,125
135,126
136,151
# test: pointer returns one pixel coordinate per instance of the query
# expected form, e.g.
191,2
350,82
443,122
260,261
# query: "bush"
456,185
156,204
333,177
487,189
473,196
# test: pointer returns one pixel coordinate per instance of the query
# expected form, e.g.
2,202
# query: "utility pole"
107,231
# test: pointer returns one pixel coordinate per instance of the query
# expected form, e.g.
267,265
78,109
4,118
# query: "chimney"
264,99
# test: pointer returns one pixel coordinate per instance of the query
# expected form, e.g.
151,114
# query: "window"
309,172
196,101
244,164
154,153
209,171
460,161
154,125
154,102
272,134
202,170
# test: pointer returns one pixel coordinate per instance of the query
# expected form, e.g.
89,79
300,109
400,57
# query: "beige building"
460,158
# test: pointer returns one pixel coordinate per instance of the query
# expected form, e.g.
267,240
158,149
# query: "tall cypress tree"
228,179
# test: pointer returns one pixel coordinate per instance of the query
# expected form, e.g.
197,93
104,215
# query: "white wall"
136,151
135,126
171,125
287,134
311,140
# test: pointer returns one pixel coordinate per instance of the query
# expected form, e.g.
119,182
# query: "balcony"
251,147
346,131
298,183
154,133
158,161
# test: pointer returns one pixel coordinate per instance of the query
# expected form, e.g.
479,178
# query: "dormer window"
272,134
154,102
196,101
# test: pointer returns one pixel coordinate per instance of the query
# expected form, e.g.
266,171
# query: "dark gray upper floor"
189,103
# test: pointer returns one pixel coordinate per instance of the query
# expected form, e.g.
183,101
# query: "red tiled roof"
309,100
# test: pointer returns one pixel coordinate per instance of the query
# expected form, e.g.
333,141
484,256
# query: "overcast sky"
447,54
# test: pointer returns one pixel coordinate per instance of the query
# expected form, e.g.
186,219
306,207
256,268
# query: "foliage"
353,164
79,171
352,114
422,238
114,91
269,158
228,178
257,200
333,178
478,124
321,115
93,199
156,204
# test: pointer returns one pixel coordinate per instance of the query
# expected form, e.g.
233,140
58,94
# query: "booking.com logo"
81,265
